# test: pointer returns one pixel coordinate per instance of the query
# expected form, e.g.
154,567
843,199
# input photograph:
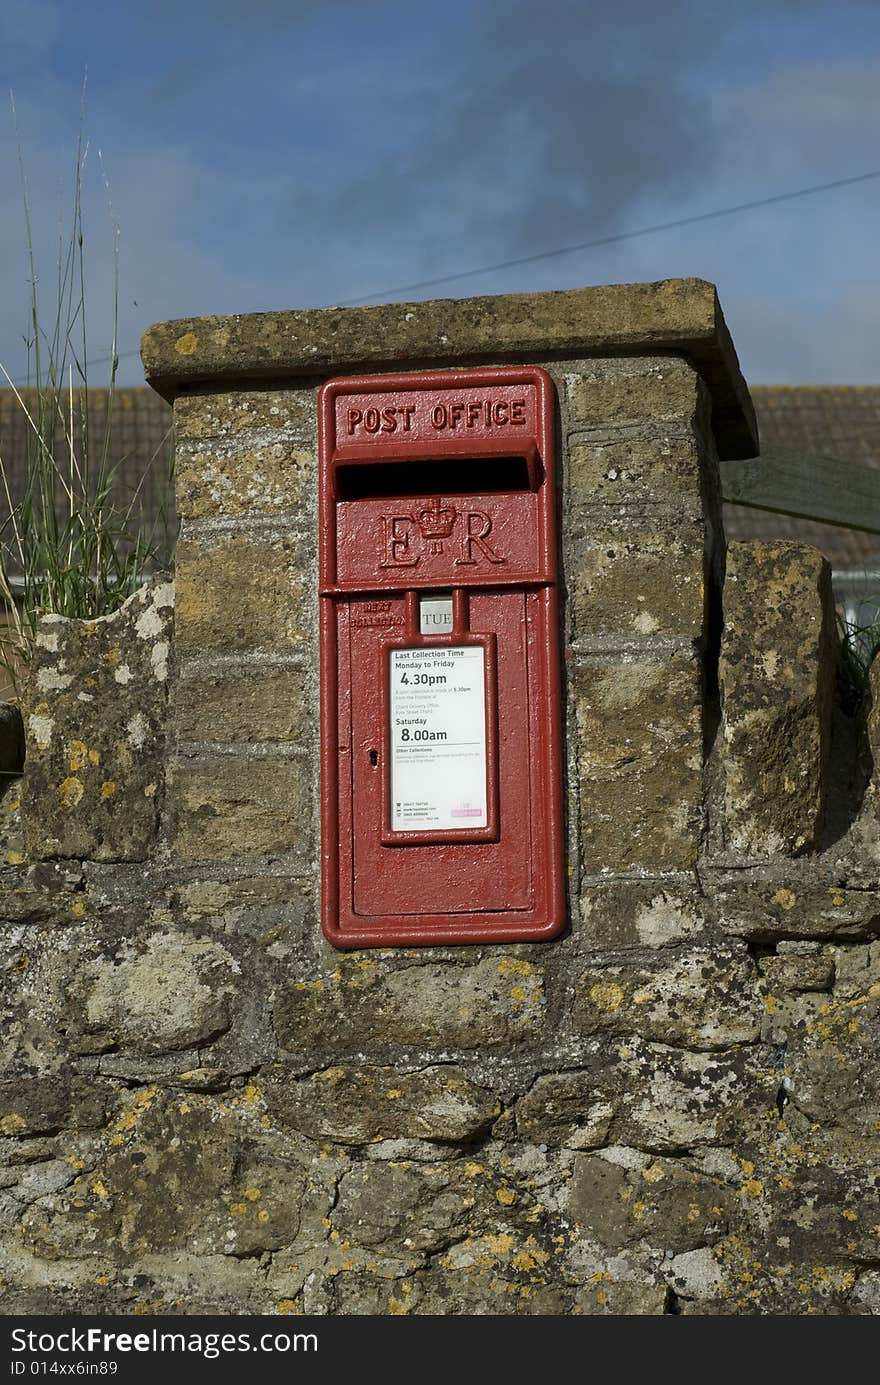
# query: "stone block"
175,992
43,1105
635,471
622,1298
663,1203
648,1096
273,476
234,593
799,971
419,1207
776,673
833,1078
697,999
793,908
249,703
229,414
655,389
640,756
640,914
495,1004
178,1175
95,714
232,806
627,579
361,1104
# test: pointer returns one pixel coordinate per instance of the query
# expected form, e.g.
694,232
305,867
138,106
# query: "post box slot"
431,476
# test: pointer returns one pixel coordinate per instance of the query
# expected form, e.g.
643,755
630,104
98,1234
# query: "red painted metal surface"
440,482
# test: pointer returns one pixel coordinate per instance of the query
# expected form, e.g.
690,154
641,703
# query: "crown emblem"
436,523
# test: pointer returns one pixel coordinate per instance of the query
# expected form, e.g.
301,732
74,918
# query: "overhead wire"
594,244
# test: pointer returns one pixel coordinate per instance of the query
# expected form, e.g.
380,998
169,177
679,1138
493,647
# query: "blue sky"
291,153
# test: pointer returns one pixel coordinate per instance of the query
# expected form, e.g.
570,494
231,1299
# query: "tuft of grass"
859,647
70,542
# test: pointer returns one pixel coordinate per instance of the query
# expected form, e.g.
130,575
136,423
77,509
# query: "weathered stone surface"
493,1004
626,579
422,1207
94,713
175,993
833,1077
34,1105
776,675
794,908
360,1104
234,806
239,594
640,914
622,1299
856,969
270,477
674,315
46,893
632,471
224,416
661,1202
611,393
799,971
639,750
649,1097
568,1108
177,1175
245,704
244,453
703,999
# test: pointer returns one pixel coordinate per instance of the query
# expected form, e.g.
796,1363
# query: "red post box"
440,691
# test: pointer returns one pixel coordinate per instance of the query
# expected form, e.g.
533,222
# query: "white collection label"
438,739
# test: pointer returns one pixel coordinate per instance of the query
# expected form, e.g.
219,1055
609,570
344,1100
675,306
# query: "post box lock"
440,688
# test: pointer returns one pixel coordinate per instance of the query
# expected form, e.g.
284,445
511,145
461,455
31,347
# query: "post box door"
440,717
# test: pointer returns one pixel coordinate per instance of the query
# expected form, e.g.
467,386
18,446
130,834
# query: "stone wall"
674,1107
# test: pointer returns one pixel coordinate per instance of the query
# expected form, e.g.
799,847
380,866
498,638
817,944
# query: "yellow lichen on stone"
511,966
287,1306
15,858
753,1186
501,1244
78,906
79,755
653,1173
253,1194
186,345
141,1103
786,899
506,1196
398,1307
332,1076
70,792
13,1124
108,788
607,995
